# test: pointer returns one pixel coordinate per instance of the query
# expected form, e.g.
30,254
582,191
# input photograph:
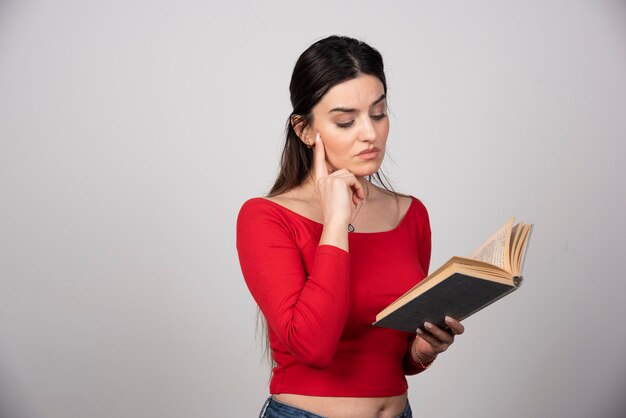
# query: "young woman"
327,249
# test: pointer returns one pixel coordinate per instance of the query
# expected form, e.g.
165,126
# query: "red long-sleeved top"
320,301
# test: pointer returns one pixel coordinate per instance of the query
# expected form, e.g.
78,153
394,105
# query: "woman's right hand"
338,193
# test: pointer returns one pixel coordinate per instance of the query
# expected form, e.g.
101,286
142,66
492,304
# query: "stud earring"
308,144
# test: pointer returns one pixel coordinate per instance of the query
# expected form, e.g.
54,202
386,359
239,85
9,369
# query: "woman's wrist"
420,358
335,234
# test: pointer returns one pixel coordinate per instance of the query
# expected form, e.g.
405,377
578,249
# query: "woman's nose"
367,133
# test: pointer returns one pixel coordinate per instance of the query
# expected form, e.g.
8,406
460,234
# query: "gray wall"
131,132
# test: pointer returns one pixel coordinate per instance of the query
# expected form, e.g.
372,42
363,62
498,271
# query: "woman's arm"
307,314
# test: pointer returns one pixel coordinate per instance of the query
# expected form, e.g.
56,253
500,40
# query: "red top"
320,301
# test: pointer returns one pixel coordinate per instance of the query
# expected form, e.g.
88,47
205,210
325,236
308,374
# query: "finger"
434,342
441,335
358,195
456,327
319,158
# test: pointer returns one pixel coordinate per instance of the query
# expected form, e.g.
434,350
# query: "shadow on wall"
619,407
8,8
12,401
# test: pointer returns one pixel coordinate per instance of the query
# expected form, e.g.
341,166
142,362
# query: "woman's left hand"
435,340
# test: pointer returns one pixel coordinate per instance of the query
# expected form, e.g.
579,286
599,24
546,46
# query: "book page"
516,234
496,249
520,250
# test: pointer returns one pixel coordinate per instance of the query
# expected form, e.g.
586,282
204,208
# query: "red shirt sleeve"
424,238
424,251
307,314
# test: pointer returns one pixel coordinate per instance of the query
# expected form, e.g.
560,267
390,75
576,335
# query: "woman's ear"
301,128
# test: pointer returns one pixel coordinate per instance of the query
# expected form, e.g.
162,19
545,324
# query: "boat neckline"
397,227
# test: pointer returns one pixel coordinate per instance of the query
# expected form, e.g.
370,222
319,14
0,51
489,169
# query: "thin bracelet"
419,359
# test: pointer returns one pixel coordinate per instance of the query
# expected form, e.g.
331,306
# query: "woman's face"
352,120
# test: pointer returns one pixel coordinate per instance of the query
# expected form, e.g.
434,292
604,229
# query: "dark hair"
323,65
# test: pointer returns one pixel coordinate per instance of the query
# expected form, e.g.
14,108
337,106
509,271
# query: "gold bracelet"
419,360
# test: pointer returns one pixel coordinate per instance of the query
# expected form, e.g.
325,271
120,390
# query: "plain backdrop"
132,131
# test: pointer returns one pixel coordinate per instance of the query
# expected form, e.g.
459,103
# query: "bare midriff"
338,407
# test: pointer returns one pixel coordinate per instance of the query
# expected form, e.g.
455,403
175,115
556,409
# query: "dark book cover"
458,296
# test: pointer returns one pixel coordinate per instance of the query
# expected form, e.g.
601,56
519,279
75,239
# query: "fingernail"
449,320
428,325
317,137
419,331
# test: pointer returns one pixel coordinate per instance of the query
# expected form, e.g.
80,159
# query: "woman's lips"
369,154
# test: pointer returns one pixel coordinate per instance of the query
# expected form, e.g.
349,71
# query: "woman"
328,249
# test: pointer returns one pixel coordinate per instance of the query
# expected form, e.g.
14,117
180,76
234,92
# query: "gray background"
132,131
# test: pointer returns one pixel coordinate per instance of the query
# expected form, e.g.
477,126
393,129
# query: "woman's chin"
364,171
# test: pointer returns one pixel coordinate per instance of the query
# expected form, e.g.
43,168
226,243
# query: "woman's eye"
345,124
379,117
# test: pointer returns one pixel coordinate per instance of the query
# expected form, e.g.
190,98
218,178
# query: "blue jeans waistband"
275,409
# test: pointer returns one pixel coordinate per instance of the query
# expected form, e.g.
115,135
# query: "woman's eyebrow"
381,98
353,110
342,109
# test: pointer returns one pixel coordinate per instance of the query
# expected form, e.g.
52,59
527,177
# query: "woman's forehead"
358,93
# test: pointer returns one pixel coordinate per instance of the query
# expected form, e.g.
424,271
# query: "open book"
463,286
